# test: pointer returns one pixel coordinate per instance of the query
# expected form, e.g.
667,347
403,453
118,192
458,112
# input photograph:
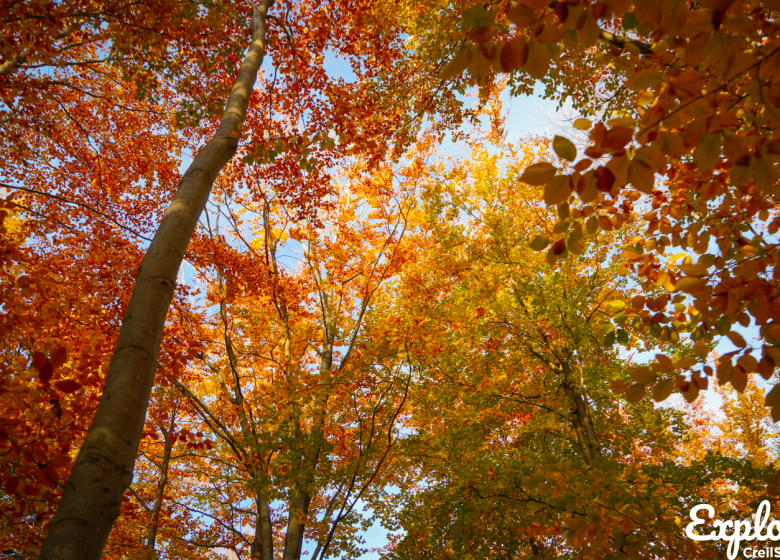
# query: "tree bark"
151,534
293,540
583,425
104,467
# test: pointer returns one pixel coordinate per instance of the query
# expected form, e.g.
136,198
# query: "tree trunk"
262,547
151,534
104,467
583,425
293,540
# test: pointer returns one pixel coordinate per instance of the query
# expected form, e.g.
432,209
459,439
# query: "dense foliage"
251,306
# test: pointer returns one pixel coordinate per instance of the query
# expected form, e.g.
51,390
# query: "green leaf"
629,20
564,148
478,16
605,327
609,340
539,243
622,337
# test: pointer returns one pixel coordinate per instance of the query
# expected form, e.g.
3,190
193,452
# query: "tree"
684,94
68,54
514,427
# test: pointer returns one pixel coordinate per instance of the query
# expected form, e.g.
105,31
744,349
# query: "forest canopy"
273,277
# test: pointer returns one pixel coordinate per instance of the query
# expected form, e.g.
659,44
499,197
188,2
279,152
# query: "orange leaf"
663,389
538,59
514,54
736,339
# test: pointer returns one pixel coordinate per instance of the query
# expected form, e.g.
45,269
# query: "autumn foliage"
253,302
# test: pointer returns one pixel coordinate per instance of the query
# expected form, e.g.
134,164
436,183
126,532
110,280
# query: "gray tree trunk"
104,467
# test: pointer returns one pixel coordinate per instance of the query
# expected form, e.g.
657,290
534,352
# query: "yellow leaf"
589,33
773,397
587,187
701,349
539,173
692,392
478,16
748,362
644,79
618,386
574,246
564,148
534,4
748,250
521,16
686,362
741,174
774,331
514,54
651,156
562,226
582,124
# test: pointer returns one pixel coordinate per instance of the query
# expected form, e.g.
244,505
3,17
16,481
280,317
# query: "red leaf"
58,357
68,386
45,372
604,179
60,461
39,360
10,485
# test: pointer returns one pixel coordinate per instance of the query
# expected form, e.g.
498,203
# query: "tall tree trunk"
151,534
262,546
104,467
583,425
293,540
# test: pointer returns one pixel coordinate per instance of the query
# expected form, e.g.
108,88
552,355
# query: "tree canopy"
252,304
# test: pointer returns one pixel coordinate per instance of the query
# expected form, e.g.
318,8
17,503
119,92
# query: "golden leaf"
582,124
539,173
644,79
